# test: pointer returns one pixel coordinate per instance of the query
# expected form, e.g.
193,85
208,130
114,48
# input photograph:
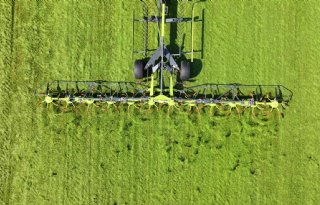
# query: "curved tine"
244,109
233,109
211,110
197,109
284,105
238,111
196,94
224,109
96,104
173,107
200,107
129,105
228,113
40,101
136,106
118,107
278,112
253,114
190,110
269,112
76,108
169,108
156,107
160,106
115,106
142,106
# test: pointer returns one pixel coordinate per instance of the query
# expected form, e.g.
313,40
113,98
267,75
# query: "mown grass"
116,158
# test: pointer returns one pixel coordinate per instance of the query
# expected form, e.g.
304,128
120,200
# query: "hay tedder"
160,75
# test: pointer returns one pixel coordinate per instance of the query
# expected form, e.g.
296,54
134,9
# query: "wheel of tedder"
185,70
138,69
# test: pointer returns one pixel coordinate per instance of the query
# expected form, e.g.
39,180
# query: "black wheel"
138,69
185,70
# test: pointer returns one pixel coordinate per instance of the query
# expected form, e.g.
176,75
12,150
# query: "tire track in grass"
131,143
25,123
308,52
134,168
136,148
40,47
5,64
157,174
169,151
247,49
101,165
127,198
109,158
125,50
69,44
37,191
79,42
149,159
6,112
90,165
119,175
145,164
67,165
291,178
235,46
98,42
86,162
212,33
75,170
80,69
218,166
110,154
75,166
156,145
288,40
113,42
79,160
258,12
68,157
223,45
281,194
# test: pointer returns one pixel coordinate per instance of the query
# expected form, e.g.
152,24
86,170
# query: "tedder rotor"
158,78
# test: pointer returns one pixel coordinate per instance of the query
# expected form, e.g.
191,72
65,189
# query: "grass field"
116,158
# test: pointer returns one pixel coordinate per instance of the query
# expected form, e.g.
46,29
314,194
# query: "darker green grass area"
97,157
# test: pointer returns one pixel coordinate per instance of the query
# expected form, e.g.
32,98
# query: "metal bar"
151,85
162,46
192,22
123,90
163,19
171,85
155,19
133,50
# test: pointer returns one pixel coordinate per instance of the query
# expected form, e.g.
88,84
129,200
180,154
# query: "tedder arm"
224,97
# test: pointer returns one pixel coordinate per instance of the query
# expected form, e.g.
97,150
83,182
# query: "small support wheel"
138,69
185,70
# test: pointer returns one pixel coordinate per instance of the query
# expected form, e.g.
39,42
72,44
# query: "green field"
118,158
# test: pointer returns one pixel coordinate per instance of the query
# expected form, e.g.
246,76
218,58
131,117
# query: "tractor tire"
138,69
184,70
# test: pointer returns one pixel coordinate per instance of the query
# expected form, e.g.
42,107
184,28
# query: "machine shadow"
175,48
